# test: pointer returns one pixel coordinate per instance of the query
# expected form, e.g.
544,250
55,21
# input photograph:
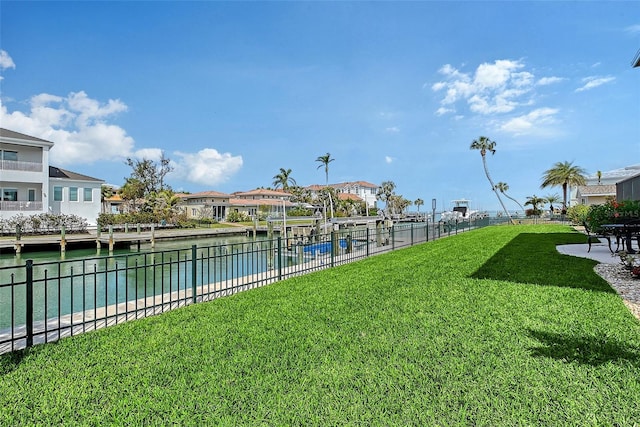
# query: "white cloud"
6,61
154,154
442,111
497,87
544,81
533,122
79,127
207,167
76,124
593,82
393,129
633,29
496,75
388,159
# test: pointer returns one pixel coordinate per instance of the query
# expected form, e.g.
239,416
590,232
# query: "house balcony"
14,165
20,206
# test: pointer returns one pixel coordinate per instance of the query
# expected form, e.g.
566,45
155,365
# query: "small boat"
461,211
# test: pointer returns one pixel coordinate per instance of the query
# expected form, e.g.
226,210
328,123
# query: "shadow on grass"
533,258
592,351
11,361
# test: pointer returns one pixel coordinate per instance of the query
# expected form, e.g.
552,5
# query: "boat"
461,211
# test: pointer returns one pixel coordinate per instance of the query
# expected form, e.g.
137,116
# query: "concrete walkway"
599,252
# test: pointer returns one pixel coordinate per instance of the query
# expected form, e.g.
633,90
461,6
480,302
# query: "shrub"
238,217
612,212
578,214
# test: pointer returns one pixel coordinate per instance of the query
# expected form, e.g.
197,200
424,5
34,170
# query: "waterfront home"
366,191
30,186
602,187
205,205
261,199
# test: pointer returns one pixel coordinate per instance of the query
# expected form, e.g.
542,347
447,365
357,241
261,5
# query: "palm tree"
385,194
418,202
534,201
503,187
564,174
551,199
283,179
324,161
484,144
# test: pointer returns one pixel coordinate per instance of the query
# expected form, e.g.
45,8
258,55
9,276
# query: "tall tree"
283,179
503,187
132,191
551,199
418,202
385,193
534,201
563,174
324,161
151,174
484,144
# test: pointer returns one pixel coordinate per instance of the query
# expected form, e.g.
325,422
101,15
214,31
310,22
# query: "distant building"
30,186
600,189
205,204
366,191
595,194
250,202
628,189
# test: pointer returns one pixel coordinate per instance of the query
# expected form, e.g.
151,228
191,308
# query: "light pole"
433,210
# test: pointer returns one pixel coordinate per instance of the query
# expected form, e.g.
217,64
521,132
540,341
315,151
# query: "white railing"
15,165
20,206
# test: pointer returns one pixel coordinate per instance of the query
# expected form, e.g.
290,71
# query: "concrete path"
599,252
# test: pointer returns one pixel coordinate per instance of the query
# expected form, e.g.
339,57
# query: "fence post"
411,234
194,254
367,241
29,313
393,237
279,258
334,242
426,232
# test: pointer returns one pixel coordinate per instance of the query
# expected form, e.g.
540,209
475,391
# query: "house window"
73,194
10,195
32,195
10,155
194,211
57,194
88,195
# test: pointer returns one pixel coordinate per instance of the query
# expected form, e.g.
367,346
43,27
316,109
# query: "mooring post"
110,239
18,244
63,239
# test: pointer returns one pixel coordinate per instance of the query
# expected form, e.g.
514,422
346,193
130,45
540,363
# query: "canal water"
85,279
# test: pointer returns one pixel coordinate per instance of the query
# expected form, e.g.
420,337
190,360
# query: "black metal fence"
43,302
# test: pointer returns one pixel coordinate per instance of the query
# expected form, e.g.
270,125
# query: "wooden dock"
111,241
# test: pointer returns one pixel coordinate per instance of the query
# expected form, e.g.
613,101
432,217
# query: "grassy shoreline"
489,327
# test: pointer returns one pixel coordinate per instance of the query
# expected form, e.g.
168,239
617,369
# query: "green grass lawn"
489,327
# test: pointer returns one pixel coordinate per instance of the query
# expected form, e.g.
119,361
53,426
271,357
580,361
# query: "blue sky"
233,91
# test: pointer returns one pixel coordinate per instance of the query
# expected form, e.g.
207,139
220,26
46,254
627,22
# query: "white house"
366,191
29,186
73,193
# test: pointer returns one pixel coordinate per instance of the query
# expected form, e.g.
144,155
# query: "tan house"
595,194
205,204
251,202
